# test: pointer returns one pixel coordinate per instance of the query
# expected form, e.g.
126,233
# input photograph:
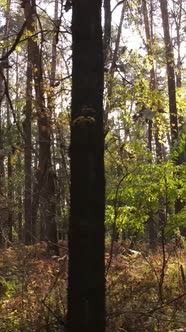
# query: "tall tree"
44,189
27,128
169,53
9,168
152,86
86,284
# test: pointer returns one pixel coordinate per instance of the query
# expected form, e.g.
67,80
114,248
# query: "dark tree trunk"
86,287
107,30
172,87
170,72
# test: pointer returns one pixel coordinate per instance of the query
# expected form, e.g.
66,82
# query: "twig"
59,319
118,4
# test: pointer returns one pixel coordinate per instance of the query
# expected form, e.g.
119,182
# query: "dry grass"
33,290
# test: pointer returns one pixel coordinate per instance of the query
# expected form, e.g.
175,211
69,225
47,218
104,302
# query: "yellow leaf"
18,48
11,159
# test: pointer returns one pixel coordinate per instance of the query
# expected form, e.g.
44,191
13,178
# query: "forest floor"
144,292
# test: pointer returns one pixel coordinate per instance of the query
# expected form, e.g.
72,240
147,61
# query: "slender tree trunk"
10,171
107,30
152,231
51,224
28,131
1,133
182,156
2,173
178,17
178,24
152,85
113,65
86,284
19,191
169,53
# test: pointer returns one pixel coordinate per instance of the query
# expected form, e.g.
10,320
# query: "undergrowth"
33,289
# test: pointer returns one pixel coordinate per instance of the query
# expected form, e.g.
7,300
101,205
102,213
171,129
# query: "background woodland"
144,124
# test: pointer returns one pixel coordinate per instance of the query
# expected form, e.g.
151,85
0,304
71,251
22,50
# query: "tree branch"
13,47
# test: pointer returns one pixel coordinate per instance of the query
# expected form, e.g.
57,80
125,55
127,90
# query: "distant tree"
152,86
44,188
169,54
27,129
10,142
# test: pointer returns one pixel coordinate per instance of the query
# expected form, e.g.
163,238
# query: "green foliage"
145,188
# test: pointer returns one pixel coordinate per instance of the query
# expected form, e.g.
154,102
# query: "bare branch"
13,47
118,4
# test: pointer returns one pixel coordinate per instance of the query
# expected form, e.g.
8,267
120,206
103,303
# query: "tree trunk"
1,132
10,171
151,226
28,131
112,70
182,156
169,53
107,30
51,225
86,284
43,192
2,171
19,189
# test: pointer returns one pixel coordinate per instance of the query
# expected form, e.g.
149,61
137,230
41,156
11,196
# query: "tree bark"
107,29
44,189
86,284
169,53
